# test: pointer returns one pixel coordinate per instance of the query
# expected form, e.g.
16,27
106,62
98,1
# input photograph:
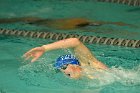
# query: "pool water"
20,76
17,75
90,9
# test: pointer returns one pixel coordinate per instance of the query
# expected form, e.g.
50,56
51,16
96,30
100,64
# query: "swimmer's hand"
34,53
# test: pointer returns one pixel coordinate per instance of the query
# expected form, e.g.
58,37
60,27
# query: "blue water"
19,76
57,9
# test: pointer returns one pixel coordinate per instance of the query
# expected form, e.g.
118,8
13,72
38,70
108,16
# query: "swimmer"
63,23
70,65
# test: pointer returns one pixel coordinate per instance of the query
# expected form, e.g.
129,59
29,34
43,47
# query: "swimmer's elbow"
76,41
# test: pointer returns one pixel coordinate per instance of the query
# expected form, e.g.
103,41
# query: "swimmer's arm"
81,51
85,55
62,44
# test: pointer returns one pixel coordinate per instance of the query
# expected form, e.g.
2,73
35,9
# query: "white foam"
127,77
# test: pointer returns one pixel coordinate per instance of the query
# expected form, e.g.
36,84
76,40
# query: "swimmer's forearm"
66,43
81,51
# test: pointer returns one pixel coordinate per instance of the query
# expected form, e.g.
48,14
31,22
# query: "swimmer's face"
73,71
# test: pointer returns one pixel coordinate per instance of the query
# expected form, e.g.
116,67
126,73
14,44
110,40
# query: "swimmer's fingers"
30,52
35,58
34,53
27,55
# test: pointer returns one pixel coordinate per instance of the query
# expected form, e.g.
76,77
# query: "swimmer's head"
73,71
69,65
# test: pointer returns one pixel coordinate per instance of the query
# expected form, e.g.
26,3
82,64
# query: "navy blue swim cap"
64,60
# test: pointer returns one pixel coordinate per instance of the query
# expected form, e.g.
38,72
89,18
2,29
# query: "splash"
126,77
42,74
38,73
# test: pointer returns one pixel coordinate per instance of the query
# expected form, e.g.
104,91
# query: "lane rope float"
83,38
